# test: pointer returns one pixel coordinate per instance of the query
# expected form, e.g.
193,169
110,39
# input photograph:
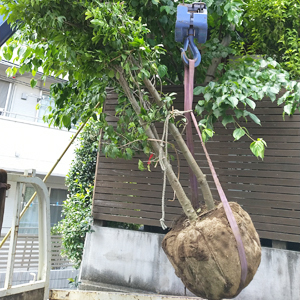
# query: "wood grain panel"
268,190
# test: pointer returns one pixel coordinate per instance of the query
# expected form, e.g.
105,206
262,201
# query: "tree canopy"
91,41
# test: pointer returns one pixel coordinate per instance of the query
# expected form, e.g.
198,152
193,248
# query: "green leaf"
238,133
9,72
227,119
252,116
145,72
251,103
143,111
111,73
258,148
23,69
8,55
162,70
33,82
208,132
204,136
211,85
66,121
217,113
238,113
233,100
129,153
207,96
141,165
288,109
166,8
199,90
199,109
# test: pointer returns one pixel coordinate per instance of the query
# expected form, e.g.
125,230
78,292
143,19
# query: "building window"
29,222
4,87
44,108
57,197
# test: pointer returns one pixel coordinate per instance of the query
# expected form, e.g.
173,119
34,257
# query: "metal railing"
13,115
44,250
27,255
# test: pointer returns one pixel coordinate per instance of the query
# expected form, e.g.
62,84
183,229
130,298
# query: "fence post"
3,187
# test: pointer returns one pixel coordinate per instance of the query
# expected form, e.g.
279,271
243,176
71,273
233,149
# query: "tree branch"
182,197
216,61
201,178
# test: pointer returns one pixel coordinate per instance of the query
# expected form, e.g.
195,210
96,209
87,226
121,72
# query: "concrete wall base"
122,259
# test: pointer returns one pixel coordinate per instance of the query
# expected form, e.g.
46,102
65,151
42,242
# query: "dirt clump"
204,254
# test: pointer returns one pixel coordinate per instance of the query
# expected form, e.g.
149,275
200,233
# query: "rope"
164,143
163,167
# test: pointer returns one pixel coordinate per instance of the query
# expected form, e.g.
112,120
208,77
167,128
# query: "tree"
272,28
107,44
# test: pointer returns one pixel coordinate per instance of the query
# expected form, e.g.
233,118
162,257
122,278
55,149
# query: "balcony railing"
13,115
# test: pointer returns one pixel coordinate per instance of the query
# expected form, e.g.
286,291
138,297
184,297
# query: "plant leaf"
33,82
258,148
238,133
199,90
227,119
162,70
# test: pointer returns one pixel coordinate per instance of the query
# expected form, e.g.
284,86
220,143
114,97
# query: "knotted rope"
164,144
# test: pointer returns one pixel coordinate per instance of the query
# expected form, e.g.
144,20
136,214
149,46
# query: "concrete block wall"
119,259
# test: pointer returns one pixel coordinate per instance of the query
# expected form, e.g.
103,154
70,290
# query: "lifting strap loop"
188,102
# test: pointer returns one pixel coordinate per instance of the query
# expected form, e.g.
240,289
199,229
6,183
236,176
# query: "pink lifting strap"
189,87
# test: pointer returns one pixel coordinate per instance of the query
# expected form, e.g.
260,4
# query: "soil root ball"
205,256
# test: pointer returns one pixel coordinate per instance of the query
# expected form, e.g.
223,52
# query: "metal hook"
189,42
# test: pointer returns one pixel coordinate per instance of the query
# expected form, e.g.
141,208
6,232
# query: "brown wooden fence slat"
99,204
268,190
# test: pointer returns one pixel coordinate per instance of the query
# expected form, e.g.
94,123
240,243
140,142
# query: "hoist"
191,23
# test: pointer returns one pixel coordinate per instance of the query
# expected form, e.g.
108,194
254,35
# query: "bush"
77,207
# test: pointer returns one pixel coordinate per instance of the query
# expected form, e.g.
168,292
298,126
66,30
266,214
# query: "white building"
28,143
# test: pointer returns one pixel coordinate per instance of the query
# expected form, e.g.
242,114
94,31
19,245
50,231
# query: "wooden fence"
27,254
268,190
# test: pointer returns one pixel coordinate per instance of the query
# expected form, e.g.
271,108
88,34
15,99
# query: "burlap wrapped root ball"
205,256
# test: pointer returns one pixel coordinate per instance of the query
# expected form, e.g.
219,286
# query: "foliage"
271,28
123,44
77,207
92,41
73,282
248,80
